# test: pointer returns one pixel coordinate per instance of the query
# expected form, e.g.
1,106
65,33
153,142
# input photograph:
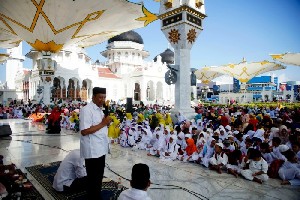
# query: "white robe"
256,166
218,159
145,141
206,153
277,154
172,149
290,172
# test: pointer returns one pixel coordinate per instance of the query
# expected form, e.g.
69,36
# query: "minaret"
13,64
181,22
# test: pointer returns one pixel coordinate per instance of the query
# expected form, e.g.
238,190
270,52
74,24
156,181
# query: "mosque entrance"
84,93
137,92
56,89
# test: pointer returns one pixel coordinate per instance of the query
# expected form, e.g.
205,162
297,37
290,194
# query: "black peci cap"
98,90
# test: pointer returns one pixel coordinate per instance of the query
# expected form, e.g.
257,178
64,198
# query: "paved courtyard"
29,145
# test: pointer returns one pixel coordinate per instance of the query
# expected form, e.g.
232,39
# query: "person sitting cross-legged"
258,168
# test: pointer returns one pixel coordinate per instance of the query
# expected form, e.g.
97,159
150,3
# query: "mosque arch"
73,89
56,89
137,91
85,90
150,91
159,91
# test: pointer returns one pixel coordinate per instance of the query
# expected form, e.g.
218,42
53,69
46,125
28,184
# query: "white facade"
225,98
124,74
7,96
13,65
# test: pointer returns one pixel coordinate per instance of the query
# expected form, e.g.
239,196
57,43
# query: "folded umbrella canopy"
51,25
205,74
287,58
3,57
245,71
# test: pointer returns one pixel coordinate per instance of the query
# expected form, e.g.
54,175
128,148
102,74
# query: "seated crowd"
255,143
249,143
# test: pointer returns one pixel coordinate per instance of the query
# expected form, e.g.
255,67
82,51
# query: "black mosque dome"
167,56
127,36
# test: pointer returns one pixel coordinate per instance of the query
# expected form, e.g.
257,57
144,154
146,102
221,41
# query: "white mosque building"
125,74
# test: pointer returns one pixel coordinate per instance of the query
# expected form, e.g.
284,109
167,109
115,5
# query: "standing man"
94,141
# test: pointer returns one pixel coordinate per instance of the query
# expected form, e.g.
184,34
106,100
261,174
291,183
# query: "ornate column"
61,87
79,89
46,67
75,89
181,22
143,92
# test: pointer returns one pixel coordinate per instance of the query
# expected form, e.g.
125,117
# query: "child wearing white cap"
219,159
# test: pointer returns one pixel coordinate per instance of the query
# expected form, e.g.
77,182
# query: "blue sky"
233,29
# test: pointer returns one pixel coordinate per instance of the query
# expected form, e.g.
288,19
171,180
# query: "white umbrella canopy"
287,58
245,71
3,57
50,25
205,74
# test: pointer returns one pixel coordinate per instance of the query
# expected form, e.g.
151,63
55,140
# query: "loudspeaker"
5,130
128,105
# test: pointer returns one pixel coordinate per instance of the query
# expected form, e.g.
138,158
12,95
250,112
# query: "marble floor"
29,145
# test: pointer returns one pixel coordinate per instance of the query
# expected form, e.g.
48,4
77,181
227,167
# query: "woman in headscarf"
73,119
141,118
283,134
180,118
189,150
54,121
168,120
113,129
253,121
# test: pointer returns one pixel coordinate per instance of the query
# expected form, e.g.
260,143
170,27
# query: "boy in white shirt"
140,182
219,159
258,168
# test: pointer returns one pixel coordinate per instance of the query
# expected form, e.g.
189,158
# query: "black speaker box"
128,105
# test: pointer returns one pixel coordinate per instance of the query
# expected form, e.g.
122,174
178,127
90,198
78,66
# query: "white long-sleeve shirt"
70,168
134,194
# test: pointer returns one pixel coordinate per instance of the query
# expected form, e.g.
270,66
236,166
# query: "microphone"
106,108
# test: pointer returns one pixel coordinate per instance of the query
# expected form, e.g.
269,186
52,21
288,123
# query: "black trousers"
95,170
79,184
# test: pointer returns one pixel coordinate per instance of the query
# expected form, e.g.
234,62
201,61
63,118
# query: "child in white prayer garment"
158,145
200,142
145,141
207,152
170,151
289,172
258,168
219,160
124,138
